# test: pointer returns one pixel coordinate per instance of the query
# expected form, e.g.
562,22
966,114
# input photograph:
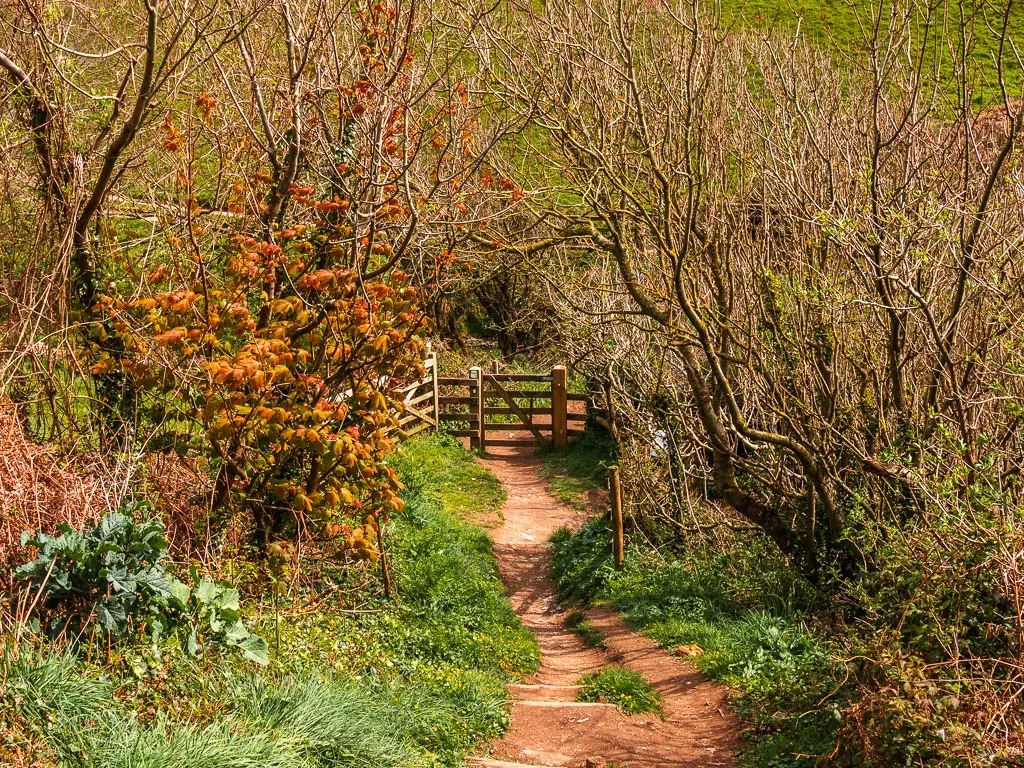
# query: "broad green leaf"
236,633
229,600
122,581
180,593
111,616
111,524
207,591
254,648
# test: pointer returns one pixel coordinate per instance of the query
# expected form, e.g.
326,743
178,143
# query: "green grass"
626,689
360,682
581,468
440,470
785,684
843,26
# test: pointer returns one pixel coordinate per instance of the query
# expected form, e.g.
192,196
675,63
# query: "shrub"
112,578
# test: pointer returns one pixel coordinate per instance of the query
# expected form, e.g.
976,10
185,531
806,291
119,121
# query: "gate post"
475,400
435,401
476,391
559,401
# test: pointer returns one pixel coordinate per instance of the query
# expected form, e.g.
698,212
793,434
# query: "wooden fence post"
435,402
474,396
477,392
559,401
618,544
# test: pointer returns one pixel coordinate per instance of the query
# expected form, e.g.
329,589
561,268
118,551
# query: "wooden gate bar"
481,418
539,378
492,411
434,390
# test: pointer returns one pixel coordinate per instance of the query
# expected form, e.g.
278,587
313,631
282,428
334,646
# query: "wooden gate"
510,409
420,406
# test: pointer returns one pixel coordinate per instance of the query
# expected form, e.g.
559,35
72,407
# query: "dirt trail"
548,727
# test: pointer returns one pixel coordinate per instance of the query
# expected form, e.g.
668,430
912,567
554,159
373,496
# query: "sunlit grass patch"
629,691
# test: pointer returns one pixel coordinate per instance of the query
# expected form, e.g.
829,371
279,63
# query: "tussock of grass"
626,689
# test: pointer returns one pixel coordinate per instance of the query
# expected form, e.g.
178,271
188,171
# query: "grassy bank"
353,680
738,615
779,671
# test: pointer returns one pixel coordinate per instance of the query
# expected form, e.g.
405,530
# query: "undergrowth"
417,682
780,672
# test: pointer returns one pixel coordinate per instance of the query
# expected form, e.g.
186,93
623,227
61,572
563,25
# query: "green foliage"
438,469
457,611
785,683
626,689
110,574
416,682
583,467
582,562
112,578
216,607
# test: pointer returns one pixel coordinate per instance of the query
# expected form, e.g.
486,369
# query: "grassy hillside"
845,27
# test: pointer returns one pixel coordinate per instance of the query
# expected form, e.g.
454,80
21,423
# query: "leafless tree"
822,254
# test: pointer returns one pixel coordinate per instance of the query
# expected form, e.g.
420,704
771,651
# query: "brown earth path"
548,727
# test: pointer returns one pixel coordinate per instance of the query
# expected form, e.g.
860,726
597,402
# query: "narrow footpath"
548,727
